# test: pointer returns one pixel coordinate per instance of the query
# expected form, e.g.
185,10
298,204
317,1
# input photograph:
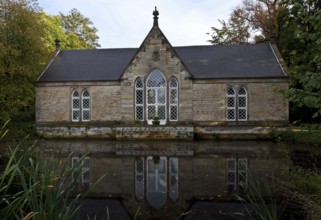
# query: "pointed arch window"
173,99
242,104
139,99
236,104
85,105
75,106
80,106
156,97
231,104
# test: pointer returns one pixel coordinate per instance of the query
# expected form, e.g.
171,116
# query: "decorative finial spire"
57,41
155,13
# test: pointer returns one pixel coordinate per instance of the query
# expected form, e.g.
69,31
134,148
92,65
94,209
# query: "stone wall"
144,63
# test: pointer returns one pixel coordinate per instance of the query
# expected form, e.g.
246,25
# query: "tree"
300,44
251,22
235,31
21,55
79,29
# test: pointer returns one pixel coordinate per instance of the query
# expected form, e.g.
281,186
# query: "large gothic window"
173,99
236,104
156,101
139,100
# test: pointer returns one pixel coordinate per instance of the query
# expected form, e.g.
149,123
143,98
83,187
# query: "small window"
173,99
242,104
139,100
75,106
231,104
236,104
85,106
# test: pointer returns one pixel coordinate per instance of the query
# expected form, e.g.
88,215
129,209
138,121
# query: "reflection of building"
81,172
118,93
158,180
237,176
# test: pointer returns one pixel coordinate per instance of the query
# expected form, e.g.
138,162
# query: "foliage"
35,188
235,31
300,44
79,29
253,21
20,47
260,198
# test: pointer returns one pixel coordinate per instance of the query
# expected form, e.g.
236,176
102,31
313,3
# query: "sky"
125,23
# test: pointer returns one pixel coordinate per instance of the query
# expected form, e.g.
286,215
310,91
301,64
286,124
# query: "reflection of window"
80,106
236,104
237,174
81,171
160,176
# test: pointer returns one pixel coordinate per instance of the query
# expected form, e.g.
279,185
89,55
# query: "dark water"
171,180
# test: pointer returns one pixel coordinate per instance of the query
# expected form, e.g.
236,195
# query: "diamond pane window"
139,100
242,104
231,174
156,97
230,104
173,99
85,105
75,106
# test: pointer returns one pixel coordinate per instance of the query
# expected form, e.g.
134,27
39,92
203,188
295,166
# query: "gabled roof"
203,62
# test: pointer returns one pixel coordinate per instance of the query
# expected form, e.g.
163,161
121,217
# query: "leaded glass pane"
139,97
230,114
75,103
139,83
242,114
161,96
162,112
85,93
173,83
173,112
151,182
242,101
242,91
75,94
161,166
156,79
230,91
85,103
140,165
230,101
151,96
85,115
150,112
139,112
173,99
75,115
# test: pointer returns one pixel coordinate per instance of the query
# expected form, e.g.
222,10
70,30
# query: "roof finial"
57,41
155,13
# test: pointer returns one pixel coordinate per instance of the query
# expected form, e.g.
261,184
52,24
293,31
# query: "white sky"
125,23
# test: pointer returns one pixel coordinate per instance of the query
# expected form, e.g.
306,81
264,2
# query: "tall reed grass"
35,186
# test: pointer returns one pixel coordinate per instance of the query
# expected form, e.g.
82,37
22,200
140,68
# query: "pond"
170,180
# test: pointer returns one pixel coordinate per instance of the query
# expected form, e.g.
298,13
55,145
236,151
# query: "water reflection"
167,180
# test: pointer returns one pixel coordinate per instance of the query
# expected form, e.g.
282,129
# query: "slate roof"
203,62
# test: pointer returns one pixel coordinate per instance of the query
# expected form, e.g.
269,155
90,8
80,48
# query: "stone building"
192,90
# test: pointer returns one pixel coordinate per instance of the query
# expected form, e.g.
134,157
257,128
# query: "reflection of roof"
220,61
